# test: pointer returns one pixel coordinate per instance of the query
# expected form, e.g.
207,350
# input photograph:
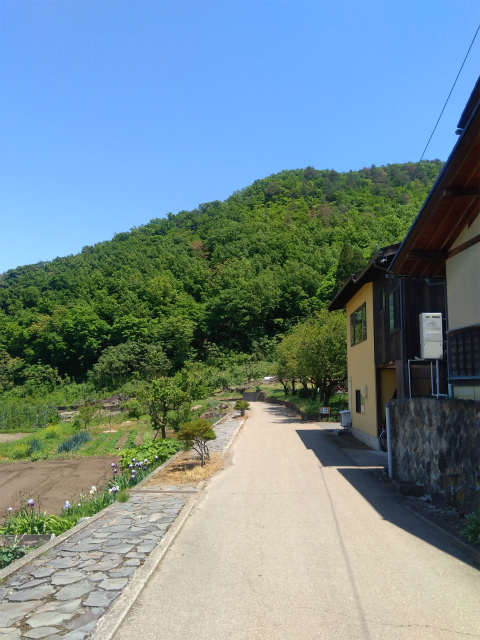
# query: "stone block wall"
437,443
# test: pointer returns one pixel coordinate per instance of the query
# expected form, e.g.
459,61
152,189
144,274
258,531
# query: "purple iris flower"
31,503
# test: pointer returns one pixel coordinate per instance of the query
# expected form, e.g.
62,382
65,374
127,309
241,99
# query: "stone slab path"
225,431
63,593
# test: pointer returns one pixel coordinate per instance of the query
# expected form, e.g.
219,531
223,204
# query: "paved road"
292,542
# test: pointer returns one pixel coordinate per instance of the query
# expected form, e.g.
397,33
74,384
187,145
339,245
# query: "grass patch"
123,496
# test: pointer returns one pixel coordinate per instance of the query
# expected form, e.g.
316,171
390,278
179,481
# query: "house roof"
360,278
453,202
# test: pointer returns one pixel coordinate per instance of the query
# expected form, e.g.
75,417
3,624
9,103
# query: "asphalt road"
293,542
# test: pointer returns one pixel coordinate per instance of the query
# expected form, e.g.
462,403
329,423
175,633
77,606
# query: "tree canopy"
231,274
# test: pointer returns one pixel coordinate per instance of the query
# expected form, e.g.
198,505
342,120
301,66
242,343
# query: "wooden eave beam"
468,192
460,154
427,255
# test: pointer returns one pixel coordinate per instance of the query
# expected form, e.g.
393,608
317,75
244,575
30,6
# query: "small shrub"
75,442
19,452
34,457
472,530
242,406
52,432
123,496
195,434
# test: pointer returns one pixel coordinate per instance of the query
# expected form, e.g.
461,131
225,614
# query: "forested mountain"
229,273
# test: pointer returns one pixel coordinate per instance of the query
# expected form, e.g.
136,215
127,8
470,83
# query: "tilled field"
54,481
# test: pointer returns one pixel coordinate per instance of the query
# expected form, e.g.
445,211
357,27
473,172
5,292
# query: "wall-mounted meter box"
431,336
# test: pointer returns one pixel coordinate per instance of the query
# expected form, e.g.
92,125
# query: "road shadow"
382,497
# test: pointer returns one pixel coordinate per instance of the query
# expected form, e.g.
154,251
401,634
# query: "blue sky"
114,112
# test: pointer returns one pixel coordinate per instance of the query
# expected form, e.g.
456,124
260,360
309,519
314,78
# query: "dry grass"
187,470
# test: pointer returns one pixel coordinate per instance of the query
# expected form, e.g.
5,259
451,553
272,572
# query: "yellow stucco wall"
463,281
361,366
388,385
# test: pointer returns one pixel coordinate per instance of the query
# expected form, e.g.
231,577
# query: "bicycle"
383,437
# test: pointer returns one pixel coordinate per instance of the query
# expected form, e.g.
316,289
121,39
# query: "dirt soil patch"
186,469
10,437
346,441
54,481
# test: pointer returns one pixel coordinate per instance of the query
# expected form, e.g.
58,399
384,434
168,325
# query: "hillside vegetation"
226,277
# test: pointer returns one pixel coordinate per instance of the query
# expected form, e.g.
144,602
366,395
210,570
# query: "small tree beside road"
160,397
195,435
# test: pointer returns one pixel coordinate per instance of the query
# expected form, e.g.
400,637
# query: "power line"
441,113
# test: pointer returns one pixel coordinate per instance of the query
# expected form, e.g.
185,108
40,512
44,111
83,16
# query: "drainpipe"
389,442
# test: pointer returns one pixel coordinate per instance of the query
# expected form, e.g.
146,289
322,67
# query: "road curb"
472,554
234,435
111,621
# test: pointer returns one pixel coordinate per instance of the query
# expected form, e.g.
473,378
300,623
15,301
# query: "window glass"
358,325
359,402
394,309
364,321
381,295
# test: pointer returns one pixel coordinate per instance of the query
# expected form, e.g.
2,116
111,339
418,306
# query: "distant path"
292,542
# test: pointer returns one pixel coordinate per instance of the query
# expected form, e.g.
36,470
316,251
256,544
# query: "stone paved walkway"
224,432
63,593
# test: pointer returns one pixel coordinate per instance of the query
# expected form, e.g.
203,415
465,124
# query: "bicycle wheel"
383,441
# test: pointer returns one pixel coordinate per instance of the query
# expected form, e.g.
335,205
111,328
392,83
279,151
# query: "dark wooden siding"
417,296
388,345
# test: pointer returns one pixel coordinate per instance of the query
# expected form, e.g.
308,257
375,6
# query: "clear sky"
115,112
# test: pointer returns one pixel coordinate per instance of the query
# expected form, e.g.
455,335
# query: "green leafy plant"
132,436
472,530
157,451
195,435
123,496
75,442
35,446
19,452
52,432
10,553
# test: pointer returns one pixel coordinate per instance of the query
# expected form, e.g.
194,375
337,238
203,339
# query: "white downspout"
389,442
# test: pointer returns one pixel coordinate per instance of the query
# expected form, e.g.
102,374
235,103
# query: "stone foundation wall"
437,443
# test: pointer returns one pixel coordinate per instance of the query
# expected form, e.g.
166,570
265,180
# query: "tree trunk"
294,391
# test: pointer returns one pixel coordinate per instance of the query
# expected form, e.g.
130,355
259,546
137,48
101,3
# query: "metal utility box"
345,418
431,336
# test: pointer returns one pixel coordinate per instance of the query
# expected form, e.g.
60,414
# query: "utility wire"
444,106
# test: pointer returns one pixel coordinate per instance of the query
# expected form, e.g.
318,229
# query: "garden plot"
53,480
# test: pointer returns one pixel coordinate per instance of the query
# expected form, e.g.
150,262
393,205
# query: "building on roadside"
383,341
444,241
